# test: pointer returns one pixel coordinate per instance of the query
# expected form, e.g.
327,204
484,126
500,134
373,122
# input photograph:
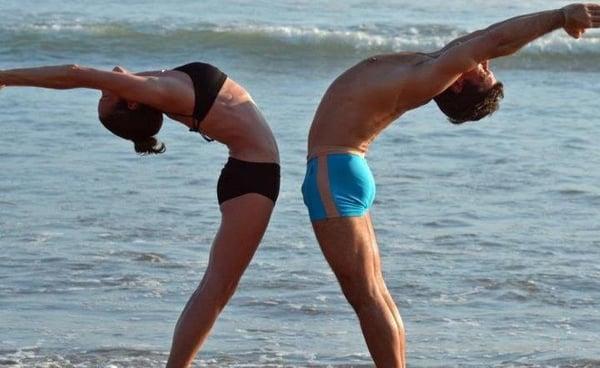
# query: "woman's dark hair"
470,104
138,125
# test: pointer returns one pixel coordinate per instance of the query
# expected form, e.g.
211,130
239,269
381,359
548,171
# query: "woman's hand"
120,69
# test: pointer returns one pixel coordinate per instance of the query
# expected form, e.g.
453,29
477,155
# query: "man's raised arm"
508,37
501,39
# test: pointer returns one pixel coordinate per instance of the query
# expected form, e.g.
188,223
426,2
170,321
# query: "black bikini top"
208,81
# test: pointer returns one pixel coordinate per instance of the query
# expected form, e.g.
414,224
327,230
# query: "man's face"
481,76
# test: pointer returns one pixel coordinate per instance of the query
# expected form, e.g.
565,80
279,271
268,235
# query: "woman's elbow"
72,69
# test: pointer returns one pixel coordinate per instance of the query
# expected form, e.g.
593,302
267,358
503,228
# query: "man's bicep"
464,56
435,76
425,82
440,73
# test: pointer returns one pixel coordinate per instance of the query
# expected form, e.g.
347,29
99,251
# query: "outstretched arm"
56,77
482,32
163,93
576,19
498,40
501,39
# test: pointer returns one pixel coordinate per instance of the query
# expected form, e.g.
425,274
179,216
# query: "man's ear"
458,86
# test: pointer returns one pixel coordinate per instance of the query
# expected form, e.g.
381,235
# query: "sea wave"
55,38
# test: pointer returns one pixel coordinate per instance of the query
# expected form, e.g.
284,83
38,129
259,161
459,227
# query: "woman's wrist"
3,79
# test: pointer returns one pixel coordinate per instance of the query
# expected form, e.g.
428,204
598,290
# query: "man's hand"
579,17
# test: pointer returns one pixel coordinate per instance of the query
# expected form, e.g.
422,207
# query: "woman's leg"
243,223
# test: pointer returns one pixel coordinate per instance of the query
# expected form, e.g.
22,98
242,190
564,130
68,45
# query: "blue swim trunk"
338,185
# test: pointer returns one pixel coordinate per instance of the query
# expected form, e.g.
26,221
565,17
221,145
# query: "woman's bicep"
166,94
170,95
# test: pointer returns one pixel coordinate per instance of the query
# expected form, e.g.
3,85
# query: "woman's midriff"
237,122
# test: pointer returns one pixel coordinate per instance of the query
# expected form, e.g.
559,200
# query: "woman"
204,99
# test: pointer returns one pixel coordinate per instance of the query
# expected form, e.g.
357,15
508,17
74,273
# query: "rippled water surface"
488,232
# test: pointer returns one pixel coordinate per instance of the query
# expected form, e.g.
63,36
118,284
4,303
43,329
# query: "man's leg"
350,248
388,297
244,221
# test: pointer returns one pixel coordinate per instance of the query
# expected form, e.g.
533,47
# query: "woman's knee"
220,287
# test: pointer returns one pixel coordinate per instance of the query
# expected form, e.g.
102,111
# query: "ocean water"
488,232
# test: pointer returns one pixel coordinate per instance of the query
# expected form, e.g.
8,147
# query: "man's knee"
360,292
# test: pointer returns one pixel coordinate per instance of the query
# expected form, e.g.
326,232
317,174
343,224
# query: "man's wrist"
563,15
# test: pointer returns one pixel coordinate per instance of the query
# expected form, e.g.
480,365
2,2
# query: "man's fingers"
594,12
576,33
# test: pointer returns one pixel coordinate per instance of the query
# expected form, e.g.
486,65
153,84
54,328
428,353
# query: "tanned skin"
366,99
233,120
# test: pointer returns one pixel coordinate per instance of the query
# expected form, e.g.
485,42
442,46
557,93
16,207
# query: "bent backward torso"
234,120
358,105
362,102
224,111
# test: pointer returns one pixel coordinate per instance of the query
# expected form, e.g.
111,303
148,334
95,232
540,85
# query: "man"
339,188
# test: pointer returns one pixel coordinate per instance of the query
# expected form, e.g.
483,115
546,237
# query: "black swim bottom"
242,177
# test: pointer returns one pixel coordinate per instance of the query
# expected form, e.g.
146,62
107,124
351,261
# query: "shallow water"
488,232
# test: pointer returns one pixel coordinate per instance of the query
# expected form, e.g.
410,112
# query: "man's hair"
470,104
139,125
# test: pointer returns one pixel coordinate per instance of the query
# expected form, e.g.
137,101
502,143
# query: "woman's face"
107,103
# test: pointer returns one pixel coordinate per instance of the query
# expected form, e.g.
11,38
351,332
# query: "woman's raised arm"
166,94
